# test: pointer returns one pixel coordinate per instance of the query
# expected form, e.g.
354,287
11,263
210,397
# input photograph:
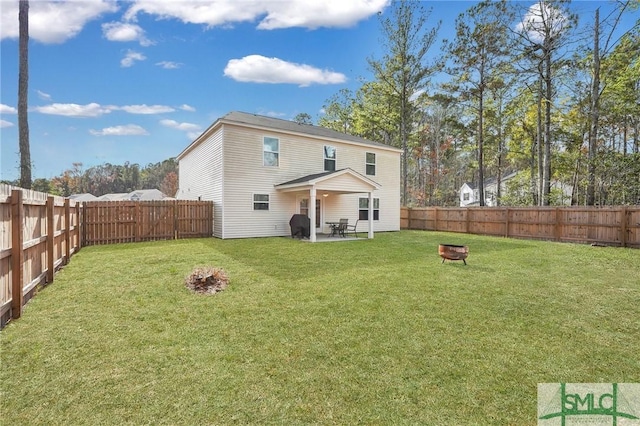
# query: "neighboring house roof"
148,195
138,195
491,181
83,197
286,126
113,197
318,178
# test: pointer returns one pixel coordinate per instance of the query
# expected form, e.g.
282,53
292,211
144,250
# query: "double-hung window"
271,151
329,158
261,201
363,209
371,163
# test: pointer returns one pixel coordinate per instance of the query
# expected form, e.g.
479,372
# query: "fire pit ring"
453,252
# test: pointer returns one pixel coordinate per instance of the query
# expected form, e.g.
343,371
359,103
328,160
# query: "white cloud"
168,65
74,110
316,14
42,95
271,14
127,130
5,123
186,107
187,127
259,69
192,130
6,109
146,109
53,21
122,31
131,57
273,114
538,16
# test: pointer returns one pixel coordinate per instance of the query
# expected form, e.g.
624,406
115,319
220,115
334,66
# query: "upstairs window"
271,151
329,158
371,164
363,211
261,201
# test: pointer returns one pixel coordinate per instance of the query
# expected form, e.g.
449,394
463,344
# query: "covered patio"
334,183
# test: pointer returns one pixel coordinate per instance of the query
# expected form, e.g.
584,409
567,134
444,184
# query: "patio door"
303,208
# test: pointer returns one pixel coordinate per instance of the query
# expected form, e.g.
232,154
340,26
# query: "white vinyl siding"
238,174
201,177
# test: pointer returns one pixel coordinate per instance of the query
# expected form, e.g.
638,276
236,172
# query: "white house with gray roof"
259,171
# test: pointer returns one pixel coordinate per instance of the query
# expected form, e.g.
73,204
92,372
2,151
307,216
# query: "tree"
375,113
169,185
338,112
43,185
596,91
478,53
23,90
402,68
544,31
303,118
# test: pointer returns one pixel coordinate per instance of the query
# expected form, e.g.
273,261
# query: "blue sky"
117,81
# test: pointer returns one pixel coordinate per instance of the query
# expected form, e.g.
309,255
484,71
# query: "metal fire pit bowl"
453,252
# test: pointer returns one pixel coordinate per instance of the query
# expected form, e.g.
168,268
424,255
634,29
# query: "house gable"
341,181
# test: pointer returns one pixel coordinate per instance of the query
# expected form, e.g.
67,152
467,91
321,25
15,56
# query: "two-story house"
259,171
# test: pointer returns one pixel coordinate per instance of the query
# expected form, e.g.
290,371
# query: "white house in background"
259,171
83,197
469,193
138,195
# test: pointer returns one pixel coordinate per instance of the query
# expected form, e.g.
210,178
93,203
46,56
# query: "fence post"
436,219
558,225
467,220
84,223
507,213
623,227
51,234
17,254
176,232
78,226
67,230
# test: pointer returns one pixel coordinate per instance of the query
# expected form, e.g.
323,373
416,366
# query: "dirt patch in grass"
207,280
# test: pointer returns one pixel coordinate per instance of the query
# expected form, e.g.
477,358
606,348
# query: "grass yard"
364,332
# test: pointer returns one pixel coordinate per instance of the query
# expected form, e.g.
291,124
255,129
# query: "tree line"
110,178
527,91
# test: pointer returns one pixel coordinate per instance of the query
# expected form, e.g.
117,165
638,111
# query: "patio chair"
351,229
342,227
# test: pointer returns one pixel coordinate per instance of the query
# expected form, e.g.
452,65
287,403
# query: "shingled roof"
292,126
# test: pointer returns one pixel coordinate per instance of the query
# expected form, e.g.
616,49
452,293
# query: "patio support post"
370,215
312,214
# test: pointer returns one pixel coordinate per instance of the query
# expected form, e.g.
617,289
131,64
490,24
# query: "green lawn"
363,332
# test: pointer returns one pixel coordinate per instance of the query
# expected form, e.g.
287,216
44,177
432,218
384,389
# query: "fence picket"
616,226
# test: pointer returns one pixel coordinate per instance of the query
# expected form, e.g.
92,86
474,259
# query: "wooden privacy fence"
39,233
616,226
133,221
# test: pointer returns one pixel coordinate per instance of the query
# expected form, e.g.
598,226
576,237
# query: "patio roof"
341,181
